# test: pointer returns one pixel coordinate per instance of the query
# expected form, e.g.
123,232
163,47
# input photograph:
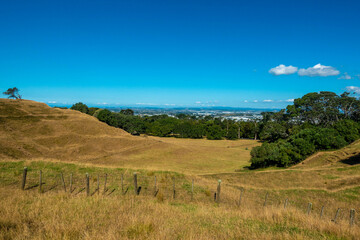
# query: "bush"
214,132
348,129
106,116
80,107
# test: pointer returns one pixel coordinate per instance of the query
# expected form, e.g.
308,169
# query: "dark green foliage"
349,129
232,132
214,132
106,116
327,138
272,131
80,107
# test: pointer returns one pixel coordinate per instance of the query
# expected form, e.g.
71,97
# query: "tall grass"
56,214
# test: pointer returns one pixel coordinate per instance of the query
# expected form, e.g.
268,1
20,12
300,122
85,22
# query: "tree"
106,116
273,131
80,107
127,112
13,93
214,132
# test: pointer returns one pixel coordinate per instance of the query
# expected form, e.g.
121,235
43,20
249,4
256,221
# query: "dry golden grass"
32,130
60,216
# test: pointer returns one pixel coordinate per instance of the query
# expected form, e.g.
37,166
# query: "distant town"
237,114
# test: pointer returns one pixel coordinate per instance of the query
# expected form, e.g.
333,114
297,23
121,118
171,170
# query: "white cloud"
51,101
345,76
246,101
283,70
151,104
290,100
268,100
255,101
169,104
319,71
198,102
353,89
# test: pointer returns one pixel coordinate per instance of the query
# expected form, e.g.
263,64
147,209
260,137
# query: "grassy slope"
48,139
33,130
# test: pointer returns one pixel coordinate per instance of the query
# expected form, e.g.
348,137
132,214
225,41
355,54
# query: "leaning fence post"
192,190
322,211
40,181
174,191
309,208
63,181
336,215
87,185
266,198
71,180
24,178
218,191
105,183
286,203
135,184
352,217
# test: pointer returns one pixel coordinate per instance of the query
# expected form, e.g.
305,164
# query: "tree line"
181,126
316,121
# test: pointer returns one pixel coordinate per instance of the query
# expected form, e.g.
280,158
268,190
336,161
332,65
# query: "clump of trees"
13,93
317,121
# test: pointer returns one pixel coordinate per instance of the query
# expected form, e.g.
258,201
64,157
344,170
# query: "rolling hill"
33,130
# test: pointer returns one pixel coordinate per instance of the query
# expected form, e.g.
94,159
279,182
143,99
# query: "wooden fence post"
286,203
336,215
155,188
71,181
105,183
192,190
40,181
266,198
24,178
135,184
63,181
352,217
87,185
322,211
98,184
241,196
218,191
174,191
309,208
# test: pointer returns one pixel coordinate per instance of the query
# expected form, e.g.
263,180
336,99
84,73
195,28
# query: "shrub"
80,107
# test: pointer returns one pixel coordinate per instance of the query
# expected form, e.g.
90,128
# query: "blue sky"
179,53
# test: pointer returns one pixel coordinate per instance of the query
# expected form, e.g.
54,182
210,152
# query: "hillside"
70,144
33,130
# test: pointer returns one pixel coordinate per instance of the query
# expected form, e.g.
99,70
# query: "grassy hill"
69,142
33,130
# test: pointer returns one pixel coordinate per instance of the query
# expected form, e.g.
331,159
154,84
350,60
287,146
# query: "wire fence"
172,187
